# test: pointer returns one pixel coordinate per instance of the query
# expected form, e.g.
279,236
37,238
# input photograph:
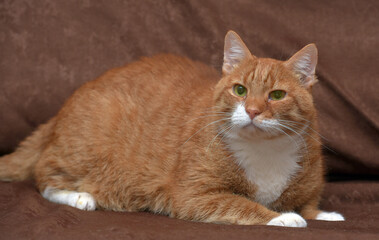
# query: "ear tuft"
303,63
235,51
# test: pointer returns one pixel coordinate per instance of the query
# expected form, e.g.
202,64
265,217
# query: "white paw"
82,200
288,220
330,216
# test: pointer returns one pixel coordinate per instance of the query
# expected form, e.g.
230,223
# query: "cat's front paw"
288,220
330,216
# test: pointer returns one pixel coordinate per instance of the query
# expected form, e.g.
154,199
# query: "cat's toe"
83,201
330,216
288,220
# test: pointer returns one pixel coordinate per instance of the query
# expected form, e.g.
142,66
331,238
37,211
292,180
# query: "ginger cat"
169,135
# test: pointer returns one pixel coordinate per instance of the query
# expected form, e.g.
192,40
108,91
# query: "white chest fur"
268,164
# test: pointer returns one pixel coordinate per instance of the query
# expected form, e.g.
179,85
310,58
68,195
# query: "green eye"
277,95
240,90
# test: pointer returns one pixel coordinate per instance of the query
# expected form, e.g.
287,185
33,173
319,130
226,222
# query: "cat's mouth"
250,125
253,126
252,130
255,123
266,126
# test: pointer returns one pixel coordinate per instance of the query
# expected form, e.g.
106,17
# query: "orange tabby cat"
166,134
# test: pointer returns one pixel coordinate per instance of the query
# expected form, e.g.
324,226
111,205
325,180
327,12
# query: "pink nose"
252,112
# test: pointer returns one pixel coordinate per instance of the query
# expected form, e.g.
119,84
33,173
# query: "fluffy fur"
170,135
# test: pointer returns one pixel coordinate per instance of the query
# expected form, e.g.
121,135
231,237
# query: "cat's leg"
317,214
58,181
81,200
234,209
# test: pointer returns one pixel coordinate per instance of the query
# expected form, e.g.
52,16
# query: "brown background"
49,48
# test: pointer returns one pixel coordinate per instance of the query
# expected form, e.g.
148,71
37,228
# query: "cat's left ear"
303,63
235,51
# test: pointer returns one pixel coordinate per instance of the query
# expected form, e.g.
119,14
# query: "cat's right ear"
235,51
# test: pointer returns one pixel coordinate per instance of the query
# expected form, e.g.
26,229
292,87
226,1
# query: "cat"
173,136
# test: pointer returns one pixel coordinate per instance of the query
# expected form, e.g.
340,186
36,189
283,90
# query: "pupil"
277,94
240,90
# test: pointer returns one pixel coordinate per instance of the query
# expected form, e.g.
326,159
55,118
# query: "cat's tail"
19,165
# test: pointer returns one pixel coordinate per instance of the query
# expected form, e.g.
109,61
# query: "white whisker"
210,115
218,134
272,125
294,125
228,131
223,119
307,125
300,136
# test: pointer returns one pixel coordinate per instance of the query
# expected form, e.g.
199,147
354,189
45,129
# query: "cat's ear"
235,51
303,63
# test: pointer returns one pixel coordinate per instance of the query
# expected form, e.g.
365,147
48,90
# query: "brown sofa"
49,48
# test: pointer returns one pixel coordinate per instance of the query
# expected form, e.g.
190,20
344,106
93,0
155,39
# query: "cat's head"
265,97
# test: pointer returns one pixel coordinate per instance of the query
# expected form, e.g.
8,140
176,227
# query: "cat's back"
149,100
161,72
162,84
163,77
